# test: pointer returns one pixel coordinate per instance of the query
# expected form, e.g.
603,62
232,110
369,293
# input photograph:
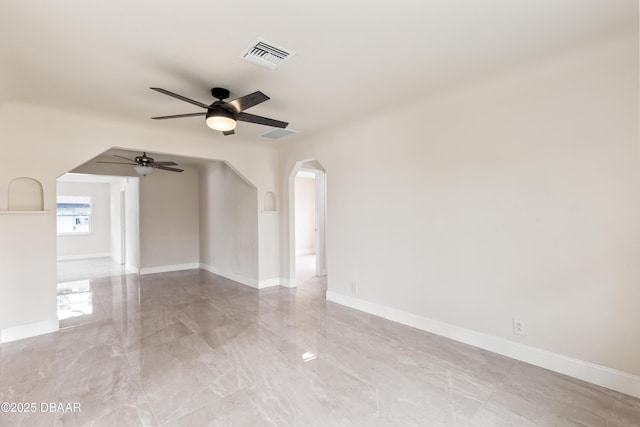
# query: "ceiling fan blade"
120,157
177,116
165,163
248,101
118,163
228,132
167,168
245,117
180,97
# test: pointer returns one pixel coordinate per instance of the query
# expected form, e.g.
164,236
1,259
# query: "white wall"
21,277
269,249
229,224
169,219
516,197
305,212
97,243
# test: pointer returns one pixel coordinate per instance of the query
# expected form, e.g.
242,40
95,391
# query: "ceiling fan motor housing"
220,93
144,160
220,110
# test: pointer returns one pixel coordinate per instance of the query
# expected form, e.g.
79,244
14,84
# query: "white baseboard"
167,268
30,330
305,252
256,284
135,270
586,371
232,276
268,283
265,283
84,256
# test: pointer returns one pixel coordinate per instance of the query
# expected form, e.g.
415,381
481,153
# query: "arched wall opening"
311,216
80,137
203,217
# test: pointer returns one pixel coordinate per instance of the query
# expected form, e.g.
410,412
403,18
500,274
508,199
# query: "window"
73,214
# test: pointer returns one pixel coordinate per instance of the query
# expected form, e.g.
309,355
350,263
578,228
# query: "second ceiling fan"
222,115
144,164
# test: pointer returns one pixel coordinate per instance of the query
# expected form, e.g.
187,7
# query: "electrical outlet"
354,287
518,327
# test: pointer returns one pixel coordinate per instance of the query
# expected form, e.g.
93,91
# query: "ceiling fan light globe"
220,119
143,170
221,123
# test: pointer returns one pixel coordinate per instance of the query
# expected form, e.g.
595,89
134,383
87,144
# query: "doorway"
97,237
308,223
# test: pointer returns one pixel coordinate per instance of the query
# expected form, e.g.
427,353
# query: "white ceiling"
353,58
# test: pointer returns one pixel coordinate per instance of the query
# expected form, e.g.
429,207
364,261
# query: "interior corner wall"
169,219
515,197
97,242
228,224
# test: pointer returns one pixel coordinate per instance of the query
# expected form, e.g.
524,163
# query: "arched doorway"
307,221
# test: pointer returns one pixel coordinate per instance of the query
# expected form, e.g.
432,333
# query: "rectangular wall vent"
279,133
267,54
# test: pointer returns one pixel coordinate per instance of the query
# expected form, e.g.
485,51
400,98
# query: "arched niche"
25,194
270,201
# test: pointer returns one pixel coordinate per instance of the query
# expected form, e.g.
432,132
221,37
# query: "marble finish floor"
191,348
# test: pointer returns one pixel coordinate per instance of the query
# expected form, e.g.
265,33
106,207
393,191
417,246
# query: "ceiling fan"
222,115
144,164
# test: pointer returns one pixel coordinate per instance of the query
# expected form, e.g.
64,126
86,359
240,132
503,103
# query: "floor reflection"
74,299
91,268
78,303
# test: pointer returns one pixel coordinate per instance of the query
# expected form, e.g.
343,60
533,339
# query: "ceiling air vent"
267,54
279,133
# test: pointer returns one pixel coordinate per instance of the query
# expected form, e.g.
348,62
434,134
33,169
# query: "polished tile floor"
193,349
